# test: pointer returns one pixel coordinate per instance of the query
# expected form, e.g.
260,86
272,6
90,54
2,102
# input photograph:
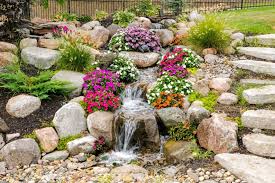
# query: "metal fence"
89,7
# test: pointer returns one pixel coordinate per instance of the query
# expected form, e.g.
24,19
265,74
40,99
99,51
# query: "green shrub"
41,85
175,5
62,144
84,19
123,18
209,33
183,131
101,15
75,57
209,102
145,8
64,16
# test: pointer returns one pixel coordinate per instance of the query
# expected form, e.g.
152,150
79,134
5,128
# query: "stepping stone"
257,82
250,168
262,95
266,40
260,144
258,52
262,119
260,67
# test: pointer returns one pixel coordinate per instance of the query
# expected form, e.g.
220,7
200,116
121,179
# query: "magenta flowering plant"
141,39
99,145
61,30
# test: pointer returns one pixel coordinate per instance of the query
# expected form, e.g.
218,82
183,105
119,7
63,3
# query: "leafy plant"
123,18
84,19
62,144
101,15
209,33
125,68
183,131
75,57
64,17
175,5
209,102
98,145
118,43
45,3
145,8
106,178
41,85
31,136
199,153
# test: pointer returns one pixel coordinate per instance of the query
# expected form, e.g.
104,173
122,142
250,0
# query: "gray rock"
113,29
168,22
262,119
23,105
3,167
257,82
260,144
28,42
3,126
21,152
262,95
12,136
266,40
156,26
177,151
258,52
90,25
170,171
6,59
70,120
99,36
141,22
196,112
2,141
171,116
166,36
252,169
75,78
211,59
48,138
81,145
41,58
101,123
220,84
237,35
56,155
202,87
77,99
141,60
228,99
260,67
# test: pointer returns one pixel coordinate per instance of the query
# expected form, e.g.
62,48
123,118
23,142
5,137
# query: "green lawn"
251,21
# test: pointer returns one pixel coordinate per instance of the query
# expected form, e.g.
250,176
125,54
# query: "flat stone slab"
260,67
262,119
260,144
266,39
262,95
258,52
250,168
257,82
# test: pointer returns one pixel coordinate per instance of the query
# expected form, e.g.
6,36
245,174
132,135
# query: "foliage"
118,43
209,102
105,178
60,31
31,136
75,57
123,18
101,15
183,131
209,33
101,88
175,5
199,153
169,84
125,68
64,17
145,8
98,145
40,86
62,144
182,17
84,19
45,3
141,39
169,100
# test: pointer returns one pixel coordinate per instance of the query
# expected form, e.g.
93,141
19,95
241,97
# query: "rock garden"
131,98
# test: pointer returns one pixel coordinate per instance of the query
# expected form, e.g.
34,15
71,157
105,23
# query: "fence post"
69,6
241,4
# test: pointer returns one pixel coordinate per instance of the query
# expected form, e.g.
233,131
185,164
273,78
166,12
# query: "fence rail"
88,7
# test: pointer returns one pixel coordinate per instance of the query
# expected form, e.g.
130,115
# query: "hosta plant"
169,84
118,43
126,69
123,18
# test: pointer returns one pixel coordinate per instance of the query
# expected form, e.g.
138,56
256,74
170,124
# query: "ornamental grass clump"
143,40
101,89
125,68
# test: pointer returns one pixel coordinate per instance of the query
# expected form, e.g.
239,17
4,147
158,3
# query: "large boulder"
28,42
171,116
252,169
228,99
99,36
81,145
220,84
52,44
22,105
48,138
141,60
196,112
218,135
166,36
8,47
262,119
201,86
75,78
21,152
141,22
7,58
260,144
168,22
42,58
70,120
177,151
90,25
262,95
100,123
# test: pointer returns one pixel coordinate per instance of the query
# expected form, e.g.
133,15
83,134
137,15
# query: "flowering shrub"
61,30
169,100
143,40
169,85
101,89
125,69
118,43
98,145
